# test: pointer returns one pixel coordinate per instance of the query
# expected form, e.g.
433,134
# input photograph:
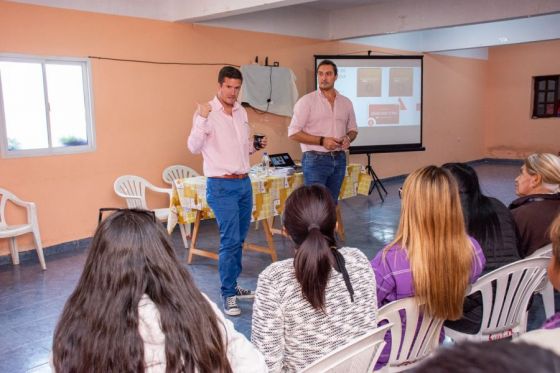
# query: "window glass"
45,106
67,109
24,105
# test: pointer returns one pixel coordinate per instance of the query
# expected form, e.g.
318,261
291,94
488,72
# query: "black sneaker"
244,293
230,306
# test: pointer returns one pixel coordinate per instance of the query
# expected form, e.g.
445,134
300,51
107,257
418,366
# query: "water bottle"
265,164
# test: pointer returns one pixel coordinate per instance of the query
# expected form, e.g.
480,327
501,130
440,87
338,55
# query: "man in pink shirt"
221,133
325,124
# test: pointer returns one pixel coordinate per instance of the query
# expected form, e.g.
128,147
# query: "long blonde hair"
432,231
555,239
547,166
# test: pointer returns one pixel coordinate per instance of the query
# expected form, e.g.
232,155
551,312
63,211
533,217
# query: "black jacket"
503,249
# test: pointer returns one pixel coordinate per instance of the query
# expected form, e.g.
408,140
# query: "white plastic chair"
133,190
358,356
545,289
177,171
506,293
13,231
408,351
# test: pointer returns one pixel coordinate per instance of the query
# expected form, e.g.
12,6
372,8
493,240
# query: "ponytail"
310,220
312,263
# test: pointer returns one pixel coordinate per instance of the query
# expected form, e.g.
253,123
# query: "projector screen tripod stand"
376,181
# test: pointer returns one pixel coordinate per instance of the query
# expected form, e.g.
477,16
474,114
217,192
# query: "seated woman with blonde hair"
136,309
431,258
322,299
538,186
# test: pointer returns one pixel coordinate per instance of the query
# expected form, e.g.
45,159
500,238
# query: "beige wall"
510,131
143,112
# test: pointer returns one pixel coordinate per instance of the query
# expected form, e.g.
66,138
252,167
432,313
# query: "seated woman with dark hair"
487,219
308,306
136,309
538,188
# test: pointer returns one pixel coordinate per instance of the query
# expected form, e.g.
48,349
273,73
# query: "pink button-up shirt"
223,140
314,115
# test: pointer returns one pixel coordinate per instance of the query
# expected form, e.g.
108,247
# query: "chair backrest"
132,189
177,171
5,196
543,252
506,293
420,337
358,356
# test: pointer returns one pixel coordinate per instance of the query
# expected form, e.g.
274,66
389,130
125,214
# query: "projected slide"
387,96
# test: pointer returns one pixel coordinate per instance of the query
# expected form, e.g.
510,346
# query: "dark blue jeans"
327,169
232,203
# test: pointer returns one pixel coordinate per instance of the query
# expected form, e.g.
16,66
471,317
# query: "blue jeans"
327,169
232,203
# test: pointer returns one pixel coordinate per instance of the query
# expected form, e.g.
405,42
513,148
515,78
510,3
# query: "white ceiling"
415,25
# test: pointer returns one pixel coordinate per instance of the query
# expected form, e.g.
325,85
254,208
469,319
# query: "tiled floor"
31,300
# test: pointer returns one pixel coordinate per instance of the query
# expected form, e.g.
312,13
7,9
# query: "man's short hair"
329,63
492,357
229,72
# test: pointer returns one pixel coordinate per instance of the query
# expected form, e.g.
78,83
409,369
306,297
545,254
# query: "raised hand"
204,109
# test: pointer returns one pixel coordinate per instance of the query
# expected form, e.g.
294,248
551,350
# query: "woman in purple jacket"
431,258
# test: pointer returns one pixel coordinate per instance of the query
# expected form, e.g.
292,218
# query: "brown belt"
232,176
333,153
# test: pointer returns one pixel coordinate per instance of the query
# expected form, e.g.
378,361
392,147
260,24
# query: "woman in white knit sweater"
136,309
322,299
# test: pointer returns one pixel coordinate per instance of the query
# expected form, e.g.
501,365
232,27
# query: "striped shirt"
290,333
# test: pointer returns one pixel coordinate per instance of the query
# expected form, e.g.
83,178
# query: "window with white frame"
45,106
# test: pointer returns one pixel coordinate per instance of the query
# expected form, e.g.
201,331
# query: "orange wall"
510,131
143,112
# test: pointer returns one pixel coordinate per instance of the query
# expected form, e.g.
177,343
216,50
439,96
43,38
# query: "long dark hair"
480,215
310,220
130,256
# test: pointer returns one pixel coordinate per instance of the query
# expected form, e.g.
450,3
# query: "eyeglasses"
400,193
149,213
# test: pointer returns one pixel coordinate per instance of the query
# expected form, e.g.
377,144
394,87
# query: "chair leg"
39,248
185,234
14,250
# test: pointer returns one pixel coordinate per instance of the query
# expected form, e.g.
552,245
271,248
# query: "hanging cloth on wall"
270,89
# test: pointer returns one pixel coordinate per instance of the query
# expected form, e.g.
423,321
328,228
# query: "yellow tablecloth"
269,194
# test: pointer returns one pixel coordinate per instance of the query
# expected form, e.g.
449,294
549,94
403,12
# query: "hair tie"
312,226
